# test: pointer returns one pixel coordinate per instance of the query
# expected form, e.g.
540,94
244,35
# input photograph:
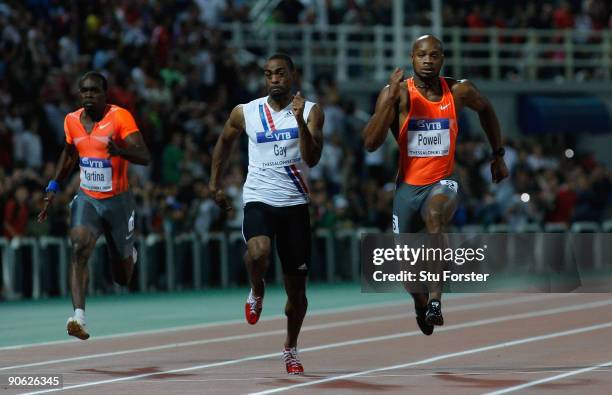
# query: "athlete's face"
93,96
427,58
279,78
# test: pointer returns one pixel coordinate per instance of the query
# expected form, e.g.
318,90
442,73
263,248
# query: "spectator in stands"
16,212
6,147
28,147
563,17
172,159
205,210
290,11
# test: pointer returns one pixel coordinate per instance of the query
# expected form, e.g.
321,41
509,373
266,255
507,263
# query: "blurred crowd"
589,18
171,67
586,15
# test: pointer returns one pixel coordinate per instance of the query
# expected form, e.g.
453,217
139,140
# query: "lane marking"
362,341
443,357
473,306
320,312
549,379
373,376
490,373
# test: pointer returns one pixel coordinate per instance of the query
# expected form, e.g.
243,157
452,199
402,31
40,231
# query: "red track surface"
368,345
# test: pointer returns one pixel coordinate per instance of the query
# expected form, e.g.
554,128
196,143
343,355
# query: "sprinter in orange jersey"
422,114
102,138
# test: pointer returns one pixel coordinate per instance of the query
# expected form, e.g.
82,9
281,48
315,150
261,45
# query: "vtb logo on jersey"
428,124
272,136
95,163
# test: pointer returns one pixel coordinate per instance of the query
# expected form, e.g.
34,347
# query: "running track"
494,344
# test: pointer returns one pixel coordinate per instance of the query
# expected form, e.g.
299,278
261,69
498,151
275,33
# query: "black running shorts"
289,225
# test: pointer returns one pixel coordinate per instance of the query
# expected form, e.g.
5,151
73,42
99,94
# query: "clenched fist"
298,107
395,79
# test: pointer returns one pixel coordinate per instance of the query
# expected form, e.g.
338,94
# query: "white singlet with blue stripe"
277,175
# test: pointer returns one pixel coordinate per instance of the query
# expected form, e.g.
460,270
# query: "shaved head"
429,39
427,57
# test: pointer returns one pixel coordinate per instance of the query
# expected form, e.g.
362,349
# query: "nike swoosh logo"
128,236
105,125
444,107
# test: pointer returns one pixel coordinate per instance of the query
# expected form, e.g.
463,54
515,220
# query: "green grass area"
33,321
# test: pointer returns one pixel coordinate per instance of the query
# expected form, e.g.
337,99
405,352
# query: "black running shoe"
426,328
434,313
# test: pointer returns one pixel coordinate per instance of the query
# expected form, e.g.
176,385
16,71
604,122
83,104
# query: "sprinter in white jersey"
285,139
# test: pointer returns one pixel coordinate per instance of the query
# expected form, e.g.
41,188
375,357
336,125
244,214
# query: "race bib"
96,174
277,148
428,137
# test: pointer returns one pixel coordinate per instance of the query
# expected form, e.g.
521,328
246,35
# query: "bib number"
96,174
277,148
428,137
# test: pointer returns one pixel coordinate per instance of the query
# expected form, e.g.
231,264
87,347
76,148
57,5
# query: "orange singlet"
427,138
102,176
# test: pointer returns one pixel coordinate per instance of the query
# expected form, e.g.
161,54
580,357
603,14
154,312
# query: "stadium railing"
365,52
195,262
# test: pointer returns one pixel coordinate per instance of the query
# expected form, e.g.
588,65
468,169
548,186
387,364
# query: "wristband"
52,187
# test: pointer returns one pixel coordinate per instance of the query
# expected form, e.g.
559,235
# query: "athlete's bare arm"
385,114
310,132
232,129
135,149
68,158
466,94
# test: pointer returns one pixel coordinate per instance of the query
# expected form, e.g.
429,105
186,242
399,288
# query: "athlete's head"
427,57
92,89
279,72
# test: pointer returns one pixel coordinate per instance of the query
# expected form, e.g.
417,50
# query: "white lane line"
442,357
373,376
320,312
212,324
549,379
334,345
473,306
490,373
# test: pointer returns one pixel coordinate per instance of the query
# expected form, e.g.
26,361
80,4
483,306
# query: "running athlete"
285,139
422,114
103,138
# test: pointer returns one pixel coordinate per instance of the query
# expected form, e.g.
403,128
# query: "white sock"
134,255
79,314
